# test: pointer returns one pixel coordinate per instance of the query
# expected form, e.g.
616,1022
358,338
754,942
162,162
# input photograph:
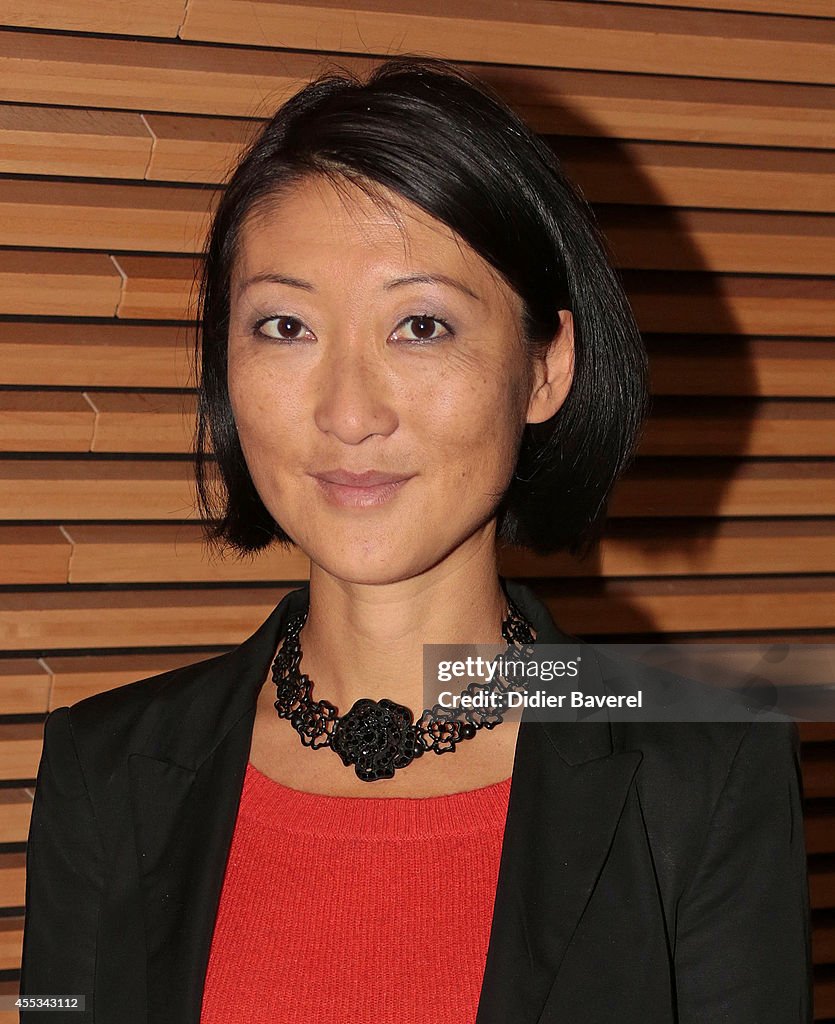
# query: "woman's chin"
367,571
400,551
371,564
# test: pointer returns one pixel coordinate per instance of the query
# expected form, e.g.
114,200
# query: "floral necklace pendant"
379,737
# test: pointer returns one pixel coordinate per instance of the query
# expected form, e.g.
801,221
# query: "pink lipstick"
359,490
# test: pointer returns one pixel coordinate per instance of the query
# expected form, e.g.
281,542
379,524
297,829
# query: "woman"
412,345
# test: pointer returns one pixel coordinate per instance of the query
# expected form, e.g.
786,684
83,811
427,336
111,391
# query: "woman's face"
365,341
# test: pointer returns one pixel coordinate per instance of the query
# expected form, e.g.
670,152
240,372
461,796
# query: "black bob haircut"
495,183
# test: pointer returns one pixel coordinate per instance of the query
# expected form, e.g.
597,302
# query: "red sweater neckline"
275,805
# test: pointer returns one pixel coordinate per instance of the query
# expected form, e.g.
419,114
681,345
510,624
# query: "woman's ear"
553,372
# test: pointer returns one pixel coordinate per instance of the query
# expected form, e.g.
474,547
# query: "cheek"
261,406
478,426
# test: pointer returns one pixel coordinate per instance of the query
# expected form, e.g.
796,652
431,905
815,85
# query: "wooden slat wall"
703,132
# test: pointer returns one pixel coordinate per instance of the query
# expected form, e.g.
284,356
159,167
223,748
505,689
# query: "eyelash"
256,327
428,316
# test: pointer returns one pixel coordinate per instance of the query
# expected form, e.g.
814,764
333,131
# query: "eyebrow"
432,279
295,282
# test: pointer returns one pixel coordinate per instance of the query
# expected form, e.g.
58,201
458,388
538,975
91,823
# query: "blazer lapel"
186,777
566,796
186,780
560,824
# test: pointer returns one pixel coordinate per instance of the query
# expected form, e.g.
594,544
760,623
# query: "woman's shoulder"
687,727
701,755
113,721
127,698
694,775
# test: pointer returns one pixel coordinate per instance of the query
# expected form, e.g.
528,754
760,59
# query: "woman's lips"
359,495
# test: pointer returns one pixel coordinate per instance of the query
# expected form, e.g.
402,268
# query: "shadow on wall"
684,317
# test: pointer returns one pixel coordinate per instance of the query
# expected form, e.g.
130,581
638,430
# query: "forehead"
337,228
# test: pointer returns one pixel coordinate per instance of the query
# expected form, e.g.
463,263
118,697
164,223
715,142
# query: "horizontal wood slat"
167,78
199,149
719,241
823,941
818,776
20,750
811,8
100,355
820,822
12,879
533,33
76,620
167,553
655,173
720,547
58,283
817,732
708,304
66,141
11,949
71,215
48,421
44,421
821,875
622,38
740,428
25,686
15,813
66,489
713,487
819,827
35,686
157,287
681,606
747,367
150,18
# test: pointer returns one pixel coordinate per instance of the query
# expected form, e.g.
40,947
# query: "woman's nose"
353,396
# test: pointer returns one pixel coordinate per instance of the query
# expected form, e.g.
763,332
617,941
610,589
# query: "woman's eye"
423,328
282,328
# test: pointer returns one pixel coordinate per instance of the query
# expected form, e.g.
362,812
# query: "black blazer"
650,873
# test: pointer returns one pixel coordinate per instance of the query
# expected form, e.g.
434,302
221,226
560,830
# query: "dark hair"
496,184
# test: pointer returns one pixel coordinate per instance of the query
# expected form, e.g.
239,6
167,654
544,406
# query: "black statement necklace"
379,736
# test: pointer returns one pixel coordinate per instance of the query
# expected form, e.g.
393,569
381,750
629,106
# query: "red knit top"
368,910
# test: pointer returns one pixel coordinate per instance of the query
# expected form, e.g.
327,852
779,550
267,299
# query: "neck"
366,640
